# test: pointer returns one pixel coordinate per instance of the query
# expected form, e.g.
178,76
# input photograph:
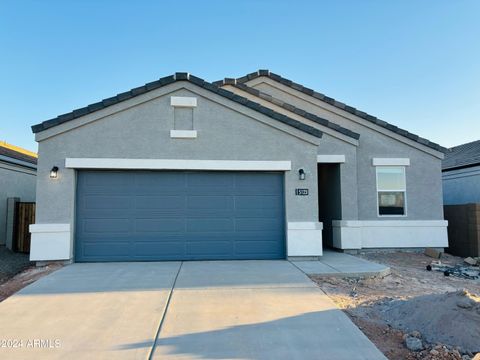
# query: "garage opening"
329,199
179,215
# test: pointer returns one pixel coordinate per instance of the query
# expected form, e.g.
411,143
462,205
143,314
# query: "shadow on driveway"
314,335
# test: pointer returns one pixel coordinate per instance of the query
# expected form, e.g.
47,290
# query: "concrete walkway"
171,310
334,263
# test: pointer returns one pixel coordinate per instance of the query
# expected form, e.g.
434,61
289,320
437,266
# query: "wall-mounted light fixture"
54,172
301,174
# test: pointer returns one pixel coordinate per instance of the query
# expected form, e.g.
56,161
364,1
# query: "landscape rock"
415,334
465,303
413,343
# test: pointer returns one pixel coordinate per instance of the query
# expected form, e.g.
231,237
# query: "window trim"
405,214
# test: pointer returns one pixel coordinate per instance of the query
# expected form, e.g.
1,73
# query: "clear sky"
414,63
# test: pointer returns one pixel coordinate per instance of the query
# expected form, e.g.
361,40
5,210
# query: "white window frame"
392,190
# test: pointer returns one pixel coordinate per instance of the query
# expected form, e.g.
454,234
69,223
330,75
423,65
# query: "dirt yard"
438,315
10,286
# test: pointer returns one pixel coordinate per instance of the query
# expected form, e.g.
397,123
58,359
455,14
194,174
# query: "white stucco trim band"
330,158
390,223
183,134
183,101
50,242
391,162
177,164
304,238
357,234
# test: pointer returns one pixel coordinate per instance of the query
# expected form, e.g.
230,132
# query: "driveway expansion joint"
162,320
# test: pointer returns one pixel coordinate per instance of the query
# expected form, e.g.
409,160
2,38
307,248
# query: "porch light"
301,174
54,172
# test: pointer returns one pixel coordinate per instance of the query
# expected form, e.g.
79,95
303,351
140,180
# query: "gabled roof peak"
335,103
178,76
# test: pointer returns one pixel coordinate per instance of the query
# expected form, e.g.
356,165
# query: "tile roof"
289,107
460,156
17,153
339,105
166,81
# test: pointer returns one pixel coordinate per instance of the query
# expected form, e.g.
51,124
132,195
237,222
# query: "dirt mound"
451,318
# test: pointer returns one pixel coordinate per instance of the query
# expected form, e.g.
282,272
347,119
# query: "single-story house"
257,167
18,169
461,174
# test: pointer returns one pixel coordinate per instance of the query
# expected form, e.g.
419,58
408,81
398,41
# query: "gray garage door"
148,215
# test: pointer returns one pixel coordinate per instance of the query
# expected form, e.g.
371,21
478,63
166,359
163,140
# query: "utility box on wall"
463,229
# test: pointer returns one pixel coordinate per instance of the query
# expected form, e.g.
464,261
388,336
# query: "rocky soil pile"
412,313
451,318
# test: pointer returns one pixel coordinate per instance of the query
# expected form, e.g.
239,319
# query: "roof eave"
341,106
166,81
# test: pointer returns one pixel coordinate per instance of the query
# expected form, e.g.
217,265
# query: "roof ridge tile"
337,104
179,76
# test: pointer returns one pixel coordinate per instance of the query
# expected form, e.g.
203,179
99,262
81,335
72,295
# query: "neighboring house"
248,168
461,174
18,168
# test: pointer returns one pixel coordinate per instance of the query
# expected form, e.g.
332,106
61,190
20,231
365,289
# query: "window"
391,190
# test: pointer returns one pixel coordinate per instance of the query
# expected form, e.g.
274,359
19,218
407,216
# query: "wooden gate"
24,216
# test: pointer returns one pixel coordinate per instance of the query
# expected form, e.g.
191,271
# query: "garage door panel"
209,191
107,249
210,225
257,247
258,202
104,225
208,213
100,238
159,225
156,182
108,202
210,248
206,180
258,224
166,202
259,235
256,191
147,249
174,215
112,178
257,214
210,202
157,214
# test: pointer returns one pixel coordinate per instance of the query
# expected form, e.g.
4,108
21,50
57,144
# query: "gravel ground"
12,263
365,301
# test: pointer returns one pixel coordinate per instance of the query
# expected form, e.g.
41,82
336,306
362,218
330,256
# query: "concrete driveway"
172,310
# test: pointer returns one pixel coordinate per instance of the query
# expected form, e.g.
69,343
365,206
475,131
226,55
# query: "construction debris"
433,253
448,324
472,261
462,271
